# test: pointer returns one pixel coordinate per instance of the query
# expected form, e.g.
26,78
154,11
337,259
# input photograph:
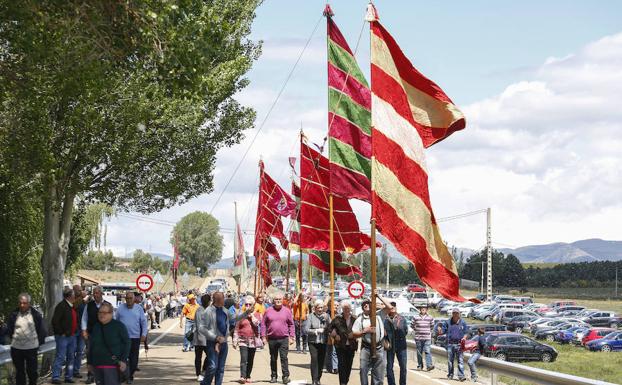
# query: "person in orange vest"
300,309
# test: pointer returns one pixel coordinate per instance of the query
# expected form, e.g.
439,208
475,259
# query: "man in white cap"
455,328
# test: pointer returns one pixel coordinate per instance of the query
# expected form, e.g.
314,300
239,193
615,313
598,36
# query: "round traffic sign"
144,282
356,289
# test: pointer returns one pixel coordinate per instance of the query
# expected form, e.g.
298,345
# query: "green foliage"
146,263
125,103
575,275
99,260
198,240
20,241
507,270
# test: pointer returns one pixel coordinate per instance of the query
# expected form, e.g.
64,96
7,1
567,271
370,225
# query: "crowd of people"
84,325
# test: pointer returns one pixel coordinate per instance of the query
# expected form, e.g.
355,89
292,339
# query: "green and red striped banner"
321,260
349,119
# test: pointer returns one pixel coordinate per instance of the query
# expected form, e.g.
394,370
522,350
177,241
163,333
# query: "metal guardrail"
522,372
5,356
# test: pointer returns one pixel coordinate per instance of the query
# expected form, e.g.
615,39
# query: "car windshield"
611,336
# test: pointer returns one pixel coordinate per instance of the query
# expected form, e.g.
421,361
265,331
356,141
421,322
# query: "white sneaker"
200,378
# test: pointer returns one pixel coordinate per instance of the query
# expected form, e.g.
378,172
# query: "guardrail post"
493,379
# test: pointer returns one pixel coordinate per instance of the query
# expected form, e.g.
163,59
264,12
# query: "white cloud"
544,154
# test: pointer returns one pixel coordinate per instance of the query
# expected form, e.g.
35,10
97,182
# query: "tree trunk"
57,224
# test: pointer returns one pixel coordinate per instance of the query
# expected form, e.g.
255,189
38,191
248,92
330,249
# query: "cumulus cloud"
544,154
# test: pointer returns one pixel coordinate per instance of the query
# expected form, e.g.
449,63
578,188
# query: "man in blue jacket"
396,330
455,328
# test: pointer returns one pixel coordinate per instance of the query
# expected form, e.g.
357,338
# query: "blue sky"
538,82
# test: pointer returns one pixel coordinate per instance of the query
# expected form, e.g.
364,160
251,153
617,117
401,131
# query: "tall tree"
198,240
124,103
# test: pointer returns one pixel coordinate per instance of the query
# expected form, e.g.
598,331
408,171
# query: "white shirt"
364,321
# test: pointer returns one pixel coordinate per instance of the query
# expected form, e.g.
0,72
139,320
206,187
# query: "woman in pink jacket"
246,336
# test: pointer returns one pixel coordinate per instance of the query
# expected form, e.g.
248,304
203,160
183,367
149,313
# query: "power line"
291,72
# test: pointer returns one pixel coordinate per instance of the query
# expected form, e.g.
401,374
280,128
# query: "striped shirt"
423,327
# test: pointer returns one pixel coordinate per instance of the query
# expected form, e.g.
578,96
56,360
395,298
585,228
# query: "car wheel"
487,318
605,348
547,357
518,329
501,356
550,338
613,325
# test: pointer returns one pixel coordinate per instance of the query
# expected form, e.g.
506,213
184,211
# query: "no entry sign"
356,289
144,282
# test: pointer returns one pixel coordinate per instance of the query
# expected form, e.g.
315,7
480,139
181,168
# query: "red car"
595,334
414,288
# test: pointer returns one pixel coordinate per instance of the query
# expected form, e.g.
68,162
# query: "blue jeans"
215,364
471,363
401,360
189,326
423,346
77,363
453,352
65,350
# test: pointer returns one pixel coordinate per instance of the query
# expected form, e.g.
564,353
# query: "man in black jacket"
65,326
26,328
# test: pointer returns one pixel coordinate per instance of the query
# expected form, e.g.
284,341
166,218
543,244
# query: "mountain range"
587,250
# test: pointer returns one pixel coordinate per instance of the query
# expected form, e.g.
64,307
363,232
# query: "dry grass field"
194,281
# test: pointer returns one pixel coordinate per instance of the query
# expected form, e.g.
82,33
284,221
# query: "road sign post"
356,289
144,282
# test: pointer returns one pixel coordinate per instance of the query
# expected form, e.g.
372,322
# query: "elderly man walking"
109,347
89,320
362,328
456,330
216,329
133,317
26,328
277,329
65,326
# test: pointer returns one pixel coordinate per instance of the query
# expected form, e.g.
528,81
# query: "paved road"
166,364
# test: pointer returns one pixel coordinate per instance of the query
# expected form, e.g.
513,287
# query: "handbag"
123,375
190,335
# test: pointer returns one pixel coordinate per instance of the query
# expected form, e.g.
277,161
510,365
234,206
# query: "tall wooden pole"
372,315
332,256
289,253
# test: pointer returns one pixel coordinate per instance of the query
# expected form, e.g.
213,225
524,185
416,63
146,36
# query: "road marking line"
158,338
428,377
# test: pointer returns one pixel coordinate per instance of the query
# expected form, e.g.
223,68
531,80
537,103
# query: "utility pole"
481,285
388,264
488,256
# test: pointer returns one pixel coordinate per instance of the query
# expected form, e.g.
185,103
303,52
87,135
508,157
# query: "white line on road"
428,377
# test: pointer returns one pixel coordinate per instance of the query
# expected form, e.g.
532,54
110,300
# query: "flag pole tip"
372,14
328,12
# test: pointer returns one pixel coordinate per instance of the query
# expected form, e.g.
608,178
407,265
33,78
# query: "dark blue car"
565,336
609,343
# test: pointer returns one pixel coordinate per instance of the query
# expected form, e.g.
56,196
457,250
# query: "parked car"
503,298
413,287
550,332
516,347
434,298
556,304
419,299
508,314
524,300
518,323
595,334
441,340
604,318
566,336
609,343
539,326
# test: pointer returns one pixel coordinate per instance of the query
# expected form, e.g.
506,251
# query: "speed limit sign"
356,289
144,282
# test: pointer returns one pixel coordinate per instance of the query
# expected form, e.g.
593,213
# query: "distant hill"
587,250
162,256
